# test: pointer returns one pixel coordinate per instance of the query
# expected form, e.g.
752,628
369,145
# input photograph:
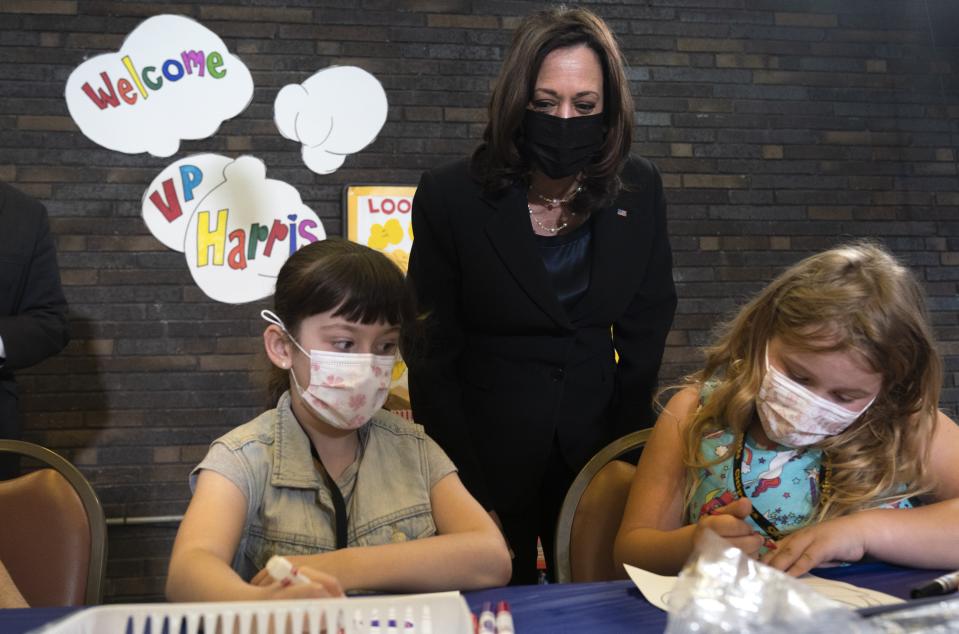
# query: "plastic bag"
928,616
721,589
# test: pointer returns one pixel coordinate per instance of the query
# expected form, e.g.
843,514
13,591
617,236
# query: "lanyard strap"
339,505
758,517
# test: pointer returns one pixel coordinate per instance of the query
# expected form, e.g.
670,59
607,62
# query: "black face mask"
562,147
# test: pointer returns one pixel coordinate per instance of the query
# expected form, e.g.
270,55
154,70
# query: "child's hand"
839,539
729,523
321,585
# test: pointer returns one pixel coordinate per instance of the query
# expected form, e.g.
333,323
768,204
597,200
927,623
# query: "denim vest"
290,511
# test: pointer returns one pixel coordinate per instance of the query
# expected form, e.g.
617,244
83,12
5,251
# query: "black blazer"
33,311
503,368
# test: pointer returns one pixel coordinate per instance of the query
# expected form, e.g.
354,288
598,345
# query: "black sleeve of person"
435,393
33,310
639,335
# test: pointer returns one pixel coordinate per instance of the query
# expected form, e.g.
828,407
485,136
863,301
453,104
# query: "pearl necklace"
553,202
555,229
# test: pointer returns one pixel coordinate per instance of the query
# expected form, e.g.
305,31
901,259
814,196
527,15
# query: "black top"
567,262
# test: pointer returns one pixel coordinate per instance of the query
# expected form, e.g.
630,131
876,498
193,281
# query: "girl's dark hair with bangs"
361,284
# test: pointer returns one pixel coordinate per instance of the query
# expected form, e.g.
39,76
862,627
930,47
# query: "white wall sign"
170,199
336,112
172,79
235,226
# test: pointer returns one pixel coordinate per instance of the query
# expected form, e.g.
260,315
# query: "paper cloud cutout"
244,230
172,79
171,198
236,230
336,112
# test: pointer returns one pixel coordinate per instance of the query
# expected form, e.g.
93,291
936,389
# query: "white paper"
847,593
657,588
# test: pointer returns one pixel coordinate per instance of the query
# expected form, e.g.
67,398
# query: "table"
577,608
617,606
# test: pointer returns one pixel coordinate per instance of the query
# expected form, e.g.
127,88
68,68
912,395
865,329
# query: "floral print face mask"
793,416
346,388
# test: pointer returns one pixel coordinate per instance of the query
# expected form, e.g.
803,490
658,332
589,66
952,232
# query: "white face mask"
345,388
793,416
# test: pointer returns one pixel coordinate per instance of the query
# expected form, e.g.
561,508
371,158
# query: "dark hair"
499,161
361,284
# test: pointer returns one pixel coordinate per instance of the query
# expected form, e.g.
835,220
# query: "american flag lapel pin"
621,212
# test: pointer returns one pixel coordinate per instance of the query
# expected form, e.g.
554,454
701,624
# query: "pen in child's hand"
282,570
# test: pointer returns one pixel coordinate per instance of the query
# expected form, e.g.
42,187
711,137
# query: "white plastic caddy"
446,613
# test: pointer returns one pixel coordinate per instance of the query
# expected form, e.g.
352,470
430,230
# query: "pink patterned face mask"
793,416
346,388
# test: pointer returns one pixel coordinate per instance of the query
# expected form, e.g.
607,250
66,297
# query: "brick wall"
781,127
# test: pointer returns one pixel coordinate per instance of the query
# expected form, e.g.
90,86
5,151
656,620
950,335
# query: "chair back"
53,532
592,511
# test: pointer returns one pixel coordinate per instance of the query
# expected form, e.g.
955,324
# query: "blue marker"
487,620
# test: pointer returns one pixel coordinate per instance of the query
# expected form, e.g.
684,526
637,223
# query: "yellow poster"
379,217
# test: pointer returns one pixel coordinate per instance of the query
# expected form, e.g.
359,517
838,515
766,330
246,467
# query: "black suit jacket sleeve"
639,335
33,310
435,392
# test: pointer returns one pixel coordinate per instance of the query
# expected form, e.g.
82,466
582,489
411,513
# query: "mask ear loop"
270,316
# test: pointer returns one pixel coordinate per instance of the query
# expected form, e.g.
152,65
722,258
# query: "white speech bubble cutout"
244,230
172,79
169,201
335,113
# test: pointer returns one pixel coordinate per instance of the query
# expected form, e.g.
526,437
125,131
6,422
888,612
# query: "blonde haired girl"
810,432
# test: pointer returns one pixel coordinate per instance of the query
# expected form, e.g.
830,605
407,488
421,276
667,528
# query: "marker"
374,621
409,627
940,585
391,621
487,620
504,619
282,570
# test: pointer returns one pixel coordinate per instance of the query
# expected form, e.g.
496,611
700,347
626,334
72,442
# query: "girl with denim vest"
352,495
811,432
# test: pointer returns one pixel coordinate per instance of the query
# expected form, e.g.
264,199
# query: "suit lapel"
610,276
512,238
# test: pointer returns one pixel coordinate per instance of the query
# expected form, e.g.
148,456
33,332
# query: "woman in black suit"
536,261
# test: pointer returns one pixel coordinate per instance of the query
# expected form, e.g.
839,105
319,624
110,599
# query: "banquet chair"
591,513
53,531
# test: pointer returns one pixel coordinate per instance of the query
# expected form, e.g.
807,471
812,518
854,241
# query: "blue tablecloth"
617,606
577,608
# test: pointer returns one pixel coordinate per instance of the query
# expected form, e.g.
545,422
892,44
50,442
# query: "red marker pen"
504,619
